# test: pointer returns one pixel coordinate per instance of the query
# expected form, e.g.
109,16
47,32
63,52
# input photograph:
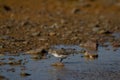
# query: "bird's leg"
61,59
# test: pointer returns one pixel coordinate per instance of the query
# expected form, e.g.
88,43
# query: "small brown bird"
60,53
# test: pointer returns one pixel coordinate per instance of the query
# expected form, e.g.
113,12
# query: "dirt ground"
30,24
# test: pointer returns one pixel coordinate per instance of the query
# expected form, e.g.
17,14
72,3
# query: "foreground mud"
26,25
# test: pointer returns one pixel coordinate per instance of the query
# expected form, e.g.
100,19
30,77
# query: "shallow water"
116,35
105,67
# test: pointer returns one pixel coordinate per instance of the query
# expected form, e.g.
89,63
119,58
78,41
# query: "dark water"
105,67
116,35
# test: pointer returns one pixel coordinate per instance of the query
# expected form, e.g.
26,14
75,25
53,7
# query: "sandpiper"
60,53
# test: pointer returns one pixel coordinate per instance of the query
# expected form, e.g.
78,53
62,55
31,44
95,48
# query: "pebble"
63,21
42,39
36,34
1,46
52,34
104,32
96,29
75,10
24,23
1,54
54,26
23,74
7,8
14,63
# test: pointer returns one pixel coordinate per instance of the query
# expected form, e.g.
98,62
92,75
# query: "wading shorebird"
60,53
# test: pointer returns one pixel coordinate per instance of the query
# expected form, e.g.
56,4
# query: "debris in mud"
19,62
37,51
59,64
24,74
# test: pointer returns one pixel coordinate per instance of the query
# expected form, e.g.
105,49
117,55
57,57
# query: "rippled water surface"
105,67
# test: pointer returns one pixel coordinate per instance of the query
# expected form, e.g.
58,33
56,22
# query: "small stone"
7,8
1,54
74,38
52,34
44,26
36,34
42,39
104,32
63,21
95,29
10,62
1,46
26,42
75,10
55,25
14,63
23,74
24,23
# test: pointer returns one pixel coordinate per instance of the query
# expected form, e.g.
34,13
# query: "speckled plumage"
60,53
